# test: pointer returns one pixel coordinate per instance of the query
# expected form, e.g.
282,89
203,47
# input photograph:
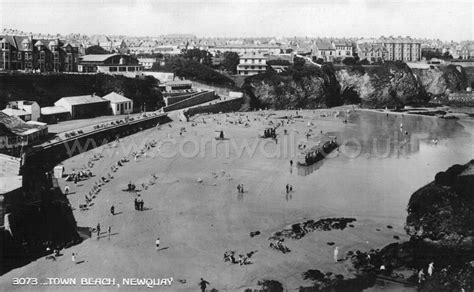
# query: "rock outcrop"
440,81
391,84
442,212
307,87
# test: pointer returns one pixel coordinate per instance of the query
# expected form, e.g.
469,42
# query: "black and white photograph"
237,145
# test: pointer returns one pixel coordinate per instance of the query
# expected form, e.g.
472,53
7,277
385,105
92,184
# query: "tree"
201,56
96,50
349,61
230,62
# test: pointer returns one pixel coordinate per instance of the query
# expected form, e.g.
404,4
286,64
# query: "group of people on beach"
229,256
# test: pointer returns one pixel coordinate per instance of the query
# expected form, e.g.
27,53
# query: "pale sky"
446,20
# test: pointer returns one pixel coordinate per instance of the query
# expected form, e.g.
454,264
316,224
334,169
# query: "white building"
147,63
119,104
252,64
24,109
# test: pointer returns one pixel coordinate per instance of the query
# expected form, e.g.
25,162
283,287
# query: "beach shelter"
58,171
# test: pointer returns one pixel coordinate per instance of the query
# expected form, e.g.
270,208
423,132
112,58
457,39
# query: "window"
113,69
19,56
122,69
131,69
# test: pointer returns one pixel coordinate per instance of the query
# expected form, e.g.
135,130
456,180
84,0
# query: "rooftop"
96,58
83,99
51,110
116,98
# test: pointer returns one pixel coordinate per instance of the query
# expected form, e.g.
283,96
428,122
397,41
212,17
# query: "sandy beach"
193,206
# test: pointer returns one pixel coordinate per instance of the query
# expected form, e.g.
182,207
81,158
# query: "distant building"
84,106
467,51
26,53
267,49
24,109
110,63
252,64
119,104
325,51
147,63
401,49
343,49
371,52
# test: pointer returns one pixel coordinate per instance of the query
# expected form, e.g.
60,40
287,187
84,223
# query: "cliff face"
438,81
442,212
302,88
392,84
388,85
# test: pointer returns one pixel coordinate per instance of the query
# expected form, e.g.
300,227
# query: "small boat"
316,153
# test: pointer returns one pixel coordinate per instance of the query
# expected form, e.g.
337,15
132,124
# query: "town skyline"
447,21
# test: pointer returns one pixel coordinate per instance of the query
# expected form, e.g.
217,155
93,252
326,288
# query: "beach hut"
58,171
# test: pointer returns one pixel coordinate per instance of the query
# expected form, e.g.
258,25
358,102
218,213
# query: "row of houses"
72,107
26,53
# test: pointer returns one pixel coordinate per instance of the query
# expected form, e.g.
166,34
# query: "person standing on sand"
421,276
112,210
66,190
287,188
203,284
430,269
336,253
98,229
73,257
157,243
109,230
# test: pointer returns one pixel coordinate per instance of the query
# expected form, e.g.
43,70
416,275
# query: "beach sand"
196,211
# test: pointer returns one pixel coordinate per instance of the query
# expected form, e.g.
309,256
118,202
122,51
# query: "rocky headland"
391,84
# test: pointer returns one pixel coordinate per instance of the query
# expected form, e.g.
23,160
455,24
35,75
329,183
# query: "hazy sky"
446,20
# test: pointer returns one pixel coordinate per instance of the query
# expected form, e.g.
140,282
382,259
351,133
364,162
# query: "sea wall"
192,101
222,106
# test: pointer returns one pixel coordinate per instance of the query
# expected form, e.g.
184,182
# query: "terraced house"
401,49
45,55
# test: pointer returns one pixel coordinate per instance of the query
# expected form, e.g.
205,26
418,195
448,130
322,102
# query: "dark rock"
330,243
254,233
389,226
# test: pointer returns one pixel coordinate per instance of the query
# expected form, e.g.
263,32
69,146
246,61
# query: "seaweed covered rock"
442,212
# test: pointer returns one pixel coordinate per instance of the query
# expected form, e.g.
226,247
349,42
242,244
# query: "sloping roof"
82,99
116,98
15,112
325,46
96,58
178,82
51,110
14,125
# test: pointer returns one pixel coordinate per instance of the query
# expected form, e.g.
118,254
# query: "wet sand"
195,209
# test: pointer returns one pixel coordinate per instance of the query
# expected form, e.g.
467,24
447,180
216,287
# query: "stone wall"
192,101
223,106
